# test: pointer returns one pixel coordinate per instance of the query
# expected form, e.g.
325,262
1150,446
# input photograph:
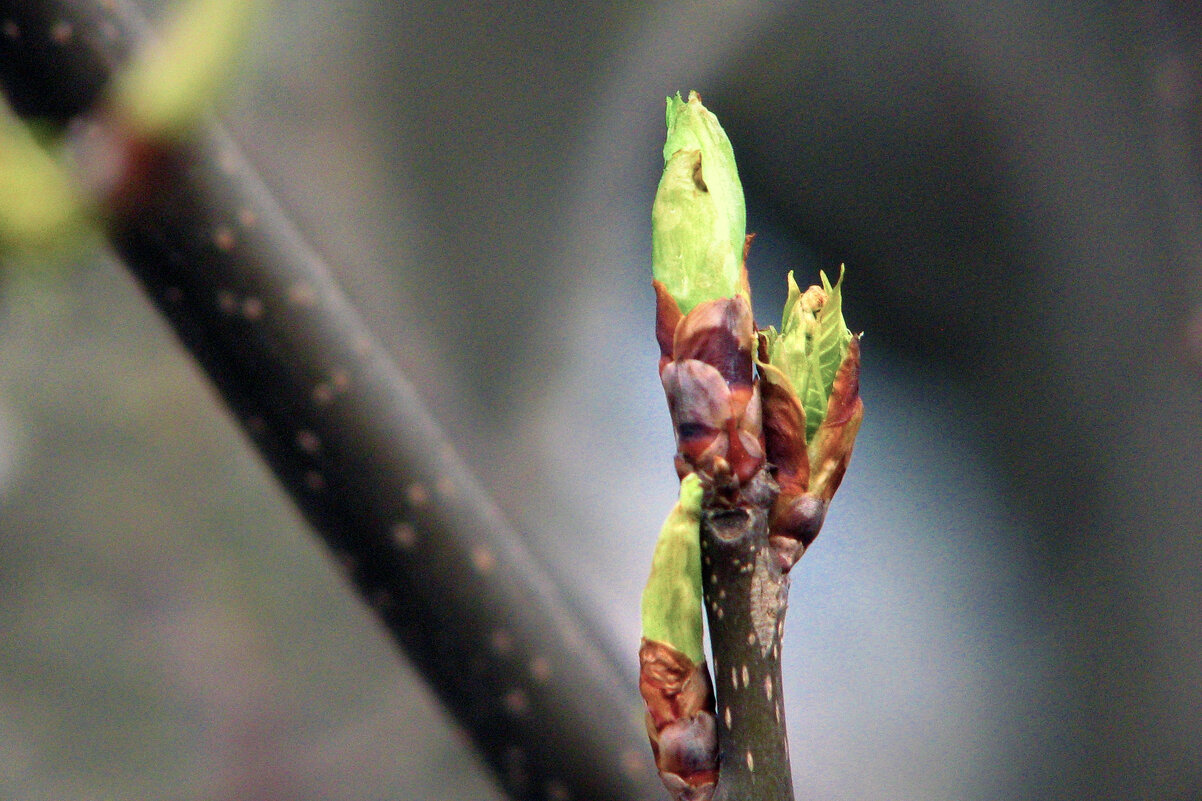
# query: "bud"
698,221
673,678
811,345
811,411
672,598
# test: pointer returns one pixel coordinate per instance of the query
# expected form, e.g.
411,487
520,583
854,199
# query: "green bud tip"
698,220
672,600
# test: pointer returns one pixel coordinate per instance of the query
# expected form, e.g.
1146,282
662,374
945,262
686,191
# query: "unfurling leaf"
811,345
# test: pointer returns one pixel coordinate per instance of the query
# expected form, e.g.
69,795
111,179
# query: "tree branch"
342,429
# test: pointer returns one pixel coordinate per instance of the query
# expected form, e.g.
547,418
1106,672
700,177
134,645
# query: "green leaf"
672,599
698,220
811,345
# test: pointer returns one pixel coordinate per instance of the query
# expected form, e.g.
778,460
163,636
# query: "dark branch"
344,432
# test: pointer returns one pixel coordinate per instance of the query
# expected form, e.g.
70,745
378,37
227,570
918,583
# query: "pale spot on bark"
540,669
750,762
252,308
483,560
734,678
404,535
721,613
767,601
308,441
227,301
746,677
501,641
417,494
517,703
323,394
768,687
223,238
341,380
302,294
62,32
751,638
726,717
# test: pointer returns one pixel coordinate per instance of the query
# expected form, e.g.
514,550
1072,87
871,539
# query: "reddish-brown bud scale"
708,376
831,449
679,698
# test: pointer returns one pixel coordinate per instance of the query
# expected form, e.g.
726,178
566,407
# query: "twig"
765,423
343,431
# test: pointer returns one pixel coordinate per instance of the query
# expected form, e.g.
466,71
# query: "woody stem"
745,600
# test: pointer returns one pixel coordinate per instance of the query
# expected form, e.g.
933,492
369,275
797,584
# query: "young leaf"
811,345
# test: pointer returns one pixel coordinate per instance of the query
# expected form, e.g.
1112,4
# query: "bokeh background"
1006,601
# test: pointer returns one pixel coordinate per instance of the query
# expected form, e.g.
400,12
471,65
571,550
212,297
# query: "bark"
746,594
343,430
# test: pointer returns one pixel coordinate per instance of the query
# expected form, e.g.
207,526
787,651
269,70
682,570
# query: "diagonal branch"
343,430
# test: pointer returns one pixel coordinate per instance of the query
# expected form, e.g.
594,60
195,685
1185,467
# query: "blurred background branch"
344,432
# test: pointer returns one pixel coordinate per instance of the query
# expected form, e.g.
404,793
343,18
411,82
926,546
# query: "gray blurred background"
1006,601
